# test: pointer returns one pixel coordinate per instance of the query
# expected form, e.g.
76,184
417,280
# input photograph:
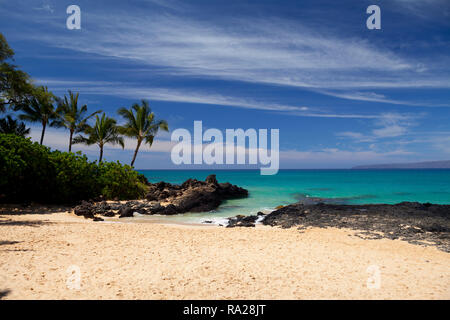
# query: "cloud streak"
258,51
388,125
195,97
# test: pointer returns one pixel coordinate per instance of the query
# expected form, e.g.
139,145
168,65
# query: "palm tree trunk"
70,141
44,124
135,152
101,154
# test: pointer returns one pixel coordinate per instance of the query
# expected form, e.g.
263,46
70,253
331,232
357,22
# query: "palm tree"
71,117
141,125
104,131
39,109
12,126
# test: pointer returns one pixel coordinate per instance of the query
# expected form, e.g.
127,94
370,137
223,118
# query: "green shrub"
120,181
31,172
75,177
25,172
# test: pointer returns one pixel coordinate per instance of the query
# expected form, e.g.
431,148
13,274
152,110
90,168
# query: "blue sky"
341,94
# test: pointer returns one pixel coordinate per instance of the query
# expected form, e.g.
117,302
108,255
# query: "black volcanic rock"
194,195
84,209
125,212
242,221
168,199
170,209
109,214
410,221
101,207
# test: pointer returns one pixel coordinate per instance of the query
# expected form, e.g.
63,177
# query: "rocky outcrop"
418,223
125,212
411,221
85,209
194,195
242,221
168,199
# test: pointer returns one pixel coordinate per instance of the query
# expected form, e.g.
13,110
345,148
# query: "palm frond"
80,139
149,140
104,131
12,126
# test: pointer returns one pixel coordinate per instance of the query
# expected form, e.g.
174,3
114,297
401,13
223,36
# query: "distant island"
412,165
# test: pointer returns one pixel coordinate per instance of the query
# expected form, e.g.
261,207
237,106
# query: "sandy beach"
126,260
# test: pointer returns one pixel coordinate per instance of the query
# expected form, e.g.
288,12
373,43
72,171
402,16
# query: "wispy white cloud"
269,51
358,136
393,125
195,97
425,9
437,140
45,7
376,97
387,125
259,51
59,139
339,157
441,143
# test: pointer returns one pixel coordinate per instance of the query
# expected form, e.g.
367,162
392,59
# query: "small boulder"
242,221
84,209
170,209
154,208
125,212
109,214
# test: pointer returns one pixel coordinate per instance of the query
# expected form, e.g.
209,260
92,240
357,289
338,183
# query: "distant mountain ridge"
413,165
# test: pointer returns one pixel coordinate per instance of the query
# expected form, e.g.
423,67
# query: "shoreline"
421,223
417,223
176,261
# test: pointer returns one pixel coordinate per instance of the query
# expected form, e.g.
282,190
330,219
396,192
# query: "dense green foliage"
32,172
24,169
75,177
121,181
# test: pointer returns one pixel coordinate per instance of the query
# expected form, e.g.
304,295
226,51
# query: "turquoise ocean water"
340,186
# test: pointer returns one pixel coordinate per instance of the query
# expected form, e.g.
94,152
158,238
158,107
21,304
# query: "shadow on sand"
8,242
25,223
19,209
4,293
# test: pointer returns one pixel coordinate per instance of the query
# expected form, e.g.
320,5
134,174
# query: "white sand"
163,261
